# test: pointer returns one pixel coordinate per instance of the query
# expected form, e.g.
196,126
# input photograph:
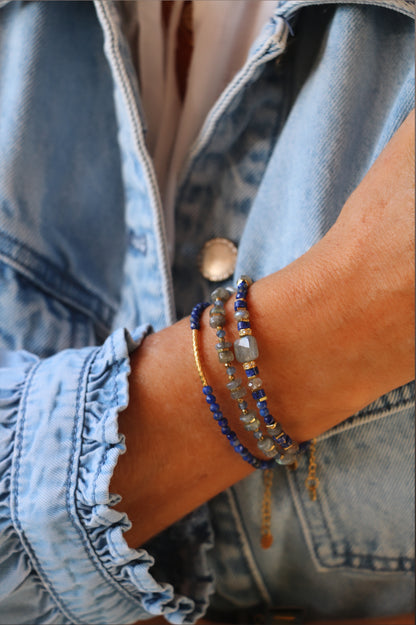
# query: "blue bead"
194,326
258,394
235,442
242,325
214,407
239,448
225,430
210,399
231,436
261,404
251,373
218,415
221,334
240,303
264,412
268,419
222,422
207,390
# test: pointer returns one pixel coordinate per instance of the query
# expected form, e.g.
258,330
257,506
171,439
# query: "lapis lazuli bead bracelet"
210,398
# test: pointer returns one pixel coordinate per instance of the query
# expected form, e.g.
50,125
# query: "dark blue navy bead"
225,430
240,303
235,442
194,326
218,415
209,398
284,440
258,394
214,407
261,404
222,422
268,419
207,390
231,436
239,448
242,325
265,464
264,412
251,373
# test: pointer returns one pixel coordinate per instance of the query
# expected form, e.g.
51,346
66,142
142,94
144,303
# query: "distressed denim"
85,273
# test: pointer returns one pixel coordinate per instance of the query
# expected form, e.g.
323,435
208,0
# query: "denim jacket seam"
83,300
15,496
116,402
372,415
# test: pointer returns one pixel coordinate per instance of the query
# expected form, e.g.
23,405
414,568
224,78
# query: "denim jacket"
85,272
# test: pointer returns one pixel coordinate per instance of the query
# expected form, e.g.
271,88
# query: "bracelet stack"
271,441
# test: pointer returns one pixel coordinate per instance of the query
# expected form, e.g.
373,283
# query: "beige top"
223,32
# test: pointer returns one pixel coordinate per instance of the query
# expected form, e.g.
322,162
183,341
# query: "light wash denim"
85,273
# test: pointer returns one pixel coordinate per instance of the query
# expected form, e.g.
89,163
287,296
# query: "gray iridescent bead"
216,320
238,393
223,345
286,459
246,349
245,279
221,294
231,371
234,384
241,315
266,445
248,416
254,384
217,310
226,356
253,426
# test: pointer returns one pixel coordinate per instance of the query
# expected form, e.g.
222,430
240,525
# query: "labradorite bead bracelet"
207,390
235,385
246,352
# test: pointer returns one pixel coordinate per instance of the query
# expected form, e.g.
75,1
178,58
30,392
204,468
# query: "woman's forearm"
335,331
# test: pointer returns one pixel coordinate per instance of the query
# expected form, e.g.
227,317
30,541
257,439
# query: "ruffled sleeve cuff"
67,445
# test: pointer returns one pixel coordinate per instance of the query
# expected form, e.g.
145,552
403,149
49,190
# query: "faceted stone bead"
234,384
220,293
246,349
238,393
286,459
267,447
242,315
216,320
223,345
254,384
226,356
246,279
249,416
216,310
253,426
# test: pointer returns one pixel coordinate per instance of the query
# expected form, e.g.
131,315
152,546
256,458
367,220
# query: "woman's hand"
343,329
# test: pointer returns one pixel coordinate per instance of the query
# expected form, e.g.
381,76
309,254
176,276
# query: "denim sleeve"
63,558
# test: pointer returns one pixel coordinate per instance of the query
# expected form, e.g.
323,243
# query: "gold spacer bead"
245,332
249,365
272,426
263,398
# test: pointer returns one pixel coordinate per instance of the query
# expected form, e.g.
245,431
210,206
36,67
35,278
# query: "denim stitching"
372,416
51,279
15,496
